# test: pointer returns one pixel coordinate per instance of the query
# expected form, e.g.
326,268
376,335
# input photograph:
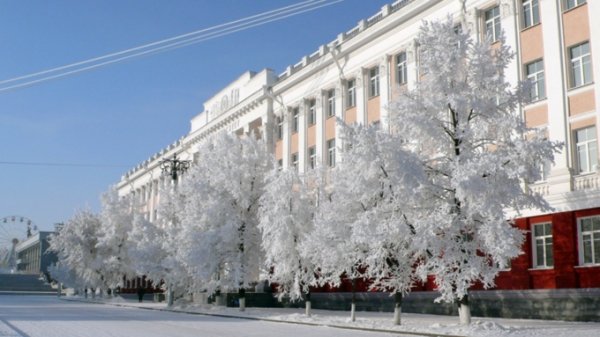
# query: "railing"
541,188
586,182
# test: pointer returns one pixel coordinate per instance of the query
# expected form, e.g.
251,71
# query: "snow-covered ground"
47,316
413,323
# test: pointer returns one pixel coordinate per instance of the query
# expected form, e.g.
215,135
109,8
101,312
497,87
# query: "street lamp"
173,167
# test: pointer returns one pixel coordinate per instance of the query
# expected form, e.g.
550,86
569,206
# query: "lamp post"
173,168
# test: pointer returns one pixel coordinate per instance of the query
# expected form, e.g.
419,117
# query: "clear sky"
115,117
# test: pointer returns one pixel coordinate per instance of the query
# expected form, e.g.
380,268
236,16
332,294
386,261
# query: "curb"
413,333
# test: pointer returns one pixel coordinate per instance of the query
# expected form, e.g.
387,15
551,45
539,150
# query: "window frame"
534,10
580,61
351,93
374,82
496,23
295,119
590,167
537,79
331,152
295,161
580,242
311,111
401,69
312,157
330,102
575,3
544,238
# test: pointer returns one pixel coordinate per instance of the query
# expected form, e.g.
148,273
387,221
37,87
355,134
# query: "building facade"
353,78
34,256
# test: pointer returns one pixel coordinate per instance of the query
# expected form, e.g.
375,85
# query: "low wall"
555,304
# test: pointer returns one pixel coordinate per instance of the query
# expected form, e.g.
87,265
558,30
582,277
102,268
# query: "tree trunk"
464,310
353,306
170,296
242,298
308,305
397,307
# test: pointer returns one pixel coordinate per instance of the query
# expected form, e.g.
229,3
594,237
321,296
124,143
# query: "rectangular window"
586,149
589,240
531,13
351,92
581,65
295,116
573,3
543,256
401,69
330,103
279,128
280,164
492,24
331,153
312,112
535,75
294,161
312,157
374,81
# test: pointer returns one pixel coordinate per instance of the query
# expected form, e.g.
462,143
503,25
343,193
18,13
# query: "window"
330,103
312,157
312,112
295,161
279,128
581,65
589,240
374,82
295,115
543,256
535,75
331,153
280,164
573,3
531,13
492,23
586,148
351,92
401,69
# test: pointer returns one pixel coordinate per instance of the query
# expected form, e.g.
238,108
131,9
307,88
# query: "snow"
48,316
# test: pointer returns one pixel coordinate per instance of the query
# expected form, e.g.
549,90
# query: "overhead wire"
176,42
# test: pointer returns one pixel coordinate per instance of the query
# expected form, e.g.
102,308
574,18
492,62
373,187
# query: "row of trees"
428,197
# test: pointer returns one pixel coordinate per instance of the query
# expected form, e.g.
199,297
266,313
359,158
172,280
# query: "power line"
176,42
51,164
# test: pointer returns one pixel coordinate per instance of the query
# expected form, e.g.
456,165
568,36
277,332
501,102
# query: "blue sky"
119,115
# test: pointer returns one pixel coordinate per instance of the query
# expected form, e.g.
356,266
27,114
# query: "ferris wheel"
13,229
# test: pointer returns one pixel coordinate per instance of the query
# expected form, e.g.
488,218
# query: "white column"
319,101
384,91
340,107
361,98
302,127
554,64
285,114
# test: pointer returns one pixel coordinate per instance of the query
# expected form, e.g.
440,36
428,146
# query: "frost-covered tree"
462,120
76,247
113,237
154,245
363,224
220,240
377,185
286,219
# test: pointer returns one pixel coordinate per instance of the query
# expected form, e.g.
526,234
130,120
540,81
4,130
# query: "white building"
557,46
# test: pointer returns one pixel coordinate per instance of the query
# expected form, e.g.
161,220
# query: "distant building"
354,77
33,256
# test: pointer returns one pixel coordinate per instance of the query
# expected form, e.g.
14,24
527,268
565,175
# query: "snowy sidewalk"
412,324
